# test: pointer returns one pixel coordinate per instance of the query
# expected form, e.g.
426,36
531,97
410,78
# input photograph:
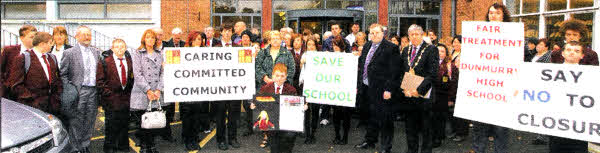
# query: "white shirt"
351,38
39,56
58,53
88,58
280,88
118,65
223,43
23,49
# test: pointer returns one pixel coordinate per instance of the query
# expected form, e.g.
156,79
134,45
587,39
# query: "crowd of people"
71,81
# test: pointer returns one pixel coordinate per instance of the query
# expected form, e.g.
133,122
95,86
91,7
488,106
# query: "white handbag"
154,119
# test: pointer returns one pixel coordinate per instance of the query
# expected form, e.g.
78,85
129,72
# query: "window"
295,5
531,6
21,10
404,13
105,9
427,7
231,11
553,15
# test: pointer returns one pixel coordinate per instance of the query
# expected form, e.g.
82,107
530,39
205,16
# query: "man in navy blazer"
379,76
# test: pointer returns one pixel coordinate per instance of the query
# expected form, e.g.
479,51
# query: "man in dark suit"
175,41
379,67
114,77
8,55
78,73
420,59
38,85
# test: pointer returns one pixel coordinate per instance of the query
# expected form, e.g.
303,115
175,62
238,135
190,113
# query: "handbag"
154,119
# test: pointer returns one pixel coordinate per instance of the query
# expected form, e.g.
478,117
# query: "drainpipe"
453,18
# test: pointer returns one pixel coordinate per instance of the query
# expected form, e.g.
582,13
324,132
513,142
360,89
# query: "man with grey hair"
421,59
78,74
175,40
159,37
211,41
379,79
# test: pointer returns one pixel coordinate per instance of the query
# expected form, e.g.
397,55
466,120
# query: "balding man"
238,28
78,72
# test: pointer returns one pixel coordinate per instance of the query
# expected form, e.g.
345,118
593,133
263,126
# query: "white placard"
208,74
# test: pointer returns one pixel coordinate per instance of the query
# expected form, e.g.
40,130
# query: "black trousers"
418,120
363,104
227,114
341,114
170,114
248,118
563,145
194,116
115,128
311,119
438,127
282,141
459,125
381,120
146,136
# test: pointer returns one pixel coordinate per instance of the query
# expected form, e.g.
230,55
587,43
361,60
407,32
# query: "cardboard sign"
208,74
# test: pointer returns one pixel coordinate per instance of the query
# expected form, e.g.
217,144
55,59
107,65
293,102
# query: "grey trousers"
81,124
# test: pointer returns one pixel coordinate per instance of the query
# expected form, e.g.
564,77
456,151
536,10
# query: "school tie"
48,67
123,73
278,90
227,44
208,43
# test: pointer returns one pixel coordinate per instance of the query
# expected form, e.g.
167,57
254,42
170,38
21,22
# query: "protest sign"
278,112
497,87
330,78
208,74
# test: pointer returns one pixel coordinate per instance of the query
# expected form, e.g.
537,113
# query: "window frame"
105,9
3,8
428,17
543,13
221,15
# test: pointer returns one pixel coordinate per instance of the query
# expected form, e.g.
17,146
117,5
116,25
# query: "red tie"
48,67
208,43
123,78
277,91
227,44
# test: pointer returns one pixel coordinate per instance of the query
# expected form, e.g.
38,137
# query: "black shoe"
436,143
168,138
234,143
344,141
154,150
365,145
191,146
109,150
309,140
86,150
248,133
337,141
385,151
222,146
124,149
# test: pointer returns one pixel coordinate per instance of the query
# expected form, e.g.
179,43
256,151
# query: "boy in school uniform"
281,141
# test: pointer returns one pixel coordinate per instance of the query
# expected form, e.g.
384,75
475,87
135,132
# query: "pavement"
519,141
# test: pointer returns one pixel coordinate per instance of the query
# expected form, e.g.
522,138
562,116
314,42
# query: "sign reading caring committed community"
208,74
497,87
330,78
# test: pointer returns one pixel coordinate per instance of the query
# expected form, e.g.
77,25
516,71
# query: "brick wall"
188,15
466,10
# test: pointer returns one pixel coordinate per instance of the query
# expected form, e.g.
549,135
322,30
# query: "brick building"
128,19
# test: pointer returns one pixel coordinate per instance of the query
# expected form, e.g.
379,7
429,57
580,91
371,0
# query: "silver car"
29,130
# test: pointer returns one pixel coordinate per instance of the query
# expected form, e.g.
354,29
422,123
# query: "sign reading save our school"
208,74
497,87
330,78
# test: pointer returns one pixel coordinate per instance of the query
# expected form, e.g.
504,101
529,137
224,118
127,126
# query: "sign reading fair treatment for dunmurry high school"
208,74
330,78
497,87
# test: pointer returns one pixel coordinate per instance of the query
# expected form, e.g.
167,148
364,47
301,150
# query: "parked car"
29,130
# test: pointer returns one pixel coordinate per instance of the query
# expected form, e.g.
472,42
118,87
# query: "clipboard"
411,81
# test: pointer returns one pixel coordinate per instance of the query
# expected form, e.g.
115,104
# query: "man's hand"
414,93
252,106
406,93
387,95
